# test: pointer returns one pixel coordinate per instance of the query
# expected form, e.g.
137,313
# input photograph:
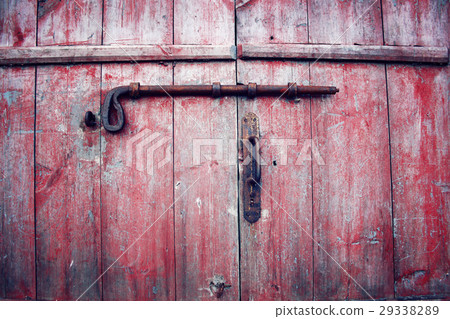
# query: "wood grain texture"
419,122
262,21
423,23
352,201
206,222
129,53
380,53
133,22
17,266
204,22
276,251
17,89
137,168
68,221
67,183
18,23
345,22
137,191
69,22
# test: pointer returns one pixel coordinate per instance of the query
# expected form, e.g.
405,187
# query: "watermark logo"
148,151
141,150
224,151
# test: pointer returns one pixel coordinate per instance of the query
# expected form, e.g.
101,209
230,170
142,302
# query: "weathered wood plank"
137,168
137,192
128,53
376,53
345,22
142,21
272,21
17,88
206,222
411,22
204,22
69,22
419,124
18,23
276,251
351,190
17,266
67,183
68,221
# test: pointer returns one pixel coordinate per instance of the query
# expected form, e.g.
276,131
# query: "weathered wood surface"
124,53
345,22
69,22
96,193
377,53
205,176
271,21
419,122
138,22
18,23
204,22
17,268
68,221
351,189
137,192
206,222
17,93
137,166
420,23
67,183
276,251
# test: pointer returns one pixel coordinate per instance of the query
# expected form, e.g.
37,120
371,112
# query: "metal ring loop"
134,86
251,90
292,90
216,89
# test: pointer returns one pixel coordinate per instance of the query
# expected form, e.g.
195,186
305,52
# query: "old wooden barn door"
354,190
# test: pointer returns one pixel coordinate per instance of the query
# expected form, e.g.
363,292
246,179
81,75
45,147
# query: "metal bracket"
251,172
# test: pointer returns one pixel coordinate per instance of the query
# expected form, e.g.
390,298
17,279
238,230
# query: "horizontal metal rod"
216,90
231,90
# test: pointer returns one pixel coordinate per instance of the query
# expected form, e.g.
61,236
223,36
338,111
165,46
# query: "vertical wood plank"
17,253
345,22
69,22
137,191
204,22
411,22
138,22
17,88
137,169
352,202
67,183
68,221
419,123
272,21
18,23
206,231
276,251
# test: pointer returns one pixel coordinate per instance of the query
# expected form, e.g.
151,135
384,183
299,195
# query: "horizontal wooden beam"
123,53
345,52
130,53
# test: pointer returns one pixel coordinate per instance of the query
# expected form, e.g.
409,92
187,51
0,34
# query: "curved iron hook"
113,98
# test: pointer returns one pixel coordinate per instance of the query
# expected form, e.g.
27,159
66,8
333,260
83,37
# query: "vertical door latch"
251,168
